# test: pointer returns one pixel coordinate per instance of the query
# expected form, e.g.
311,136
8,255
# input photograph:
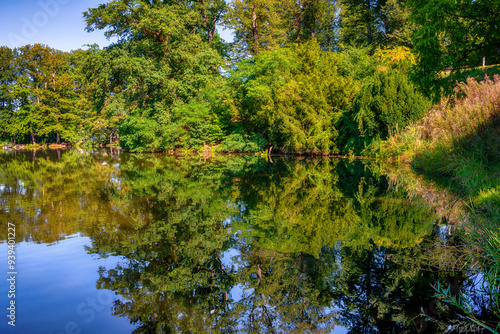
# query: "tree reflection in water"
237,244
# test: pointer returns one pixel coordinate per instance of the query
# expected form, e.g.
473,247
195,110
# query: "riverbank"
53,146
457,146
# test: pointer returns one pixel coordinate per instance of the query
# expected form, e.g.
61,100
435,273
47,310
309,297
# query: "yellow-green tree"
294,97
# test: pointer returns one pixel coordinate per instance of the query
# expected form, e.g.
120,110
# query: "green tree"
8,76
399,27
163,72
361,20
100,111
376,22
47,96
294,97
318,19
456,34
387,101
266,26
259,25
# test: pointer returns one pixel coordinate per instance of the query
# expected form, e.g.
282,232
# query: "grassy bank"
457,145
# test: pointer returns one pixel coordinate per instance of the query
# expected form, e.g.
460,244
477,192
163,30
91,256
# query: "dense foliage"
387,101
308,77
294,97
313,76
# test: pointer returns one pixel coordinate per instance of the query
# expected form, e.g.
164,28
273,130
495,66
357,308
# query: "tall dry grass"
473,106
462,135
464,125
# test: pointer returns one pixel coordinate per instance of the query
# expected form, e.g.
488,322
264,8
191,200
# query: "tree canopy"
308,76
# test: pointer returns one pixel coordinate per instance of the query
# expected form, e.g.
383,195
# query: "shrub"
387,101
237,142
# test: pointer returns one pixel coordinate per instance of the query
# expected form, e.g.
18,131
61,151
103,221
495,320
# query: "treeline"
307,76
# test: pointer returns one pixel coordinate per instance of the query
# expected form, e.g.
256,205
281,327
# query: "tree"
161,72
158,21
265,26
294,97
376,23
455,33
8,75
259,25
317,19
387,101
398,25
212,13
361,20
44,91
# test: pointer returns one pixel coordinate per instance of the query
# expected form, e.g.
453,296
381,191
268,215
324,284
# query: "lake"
110,242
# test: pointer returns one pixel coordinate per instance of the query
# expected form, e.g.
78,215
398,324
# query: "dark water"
119,243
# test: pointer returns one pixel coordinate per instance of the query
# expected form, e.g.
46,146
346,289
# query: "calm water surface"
121,243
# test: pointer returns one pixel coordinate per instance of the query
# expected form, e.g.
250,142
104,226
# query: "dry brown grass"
474,105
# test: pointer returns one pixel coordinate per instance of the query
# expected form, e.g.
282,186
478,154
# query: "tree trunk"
298,21
369,18
254,30
207,22
14,139
210,35
32,135
58,139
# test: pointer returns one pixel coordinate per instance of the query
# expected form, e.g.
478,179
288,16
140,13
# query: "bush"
387,101
139,134
191,125
237,142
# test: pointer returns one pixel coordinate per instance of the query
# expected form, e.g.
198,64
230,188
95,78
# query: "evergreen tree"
376,23
318,19
259,25
387,101
294,97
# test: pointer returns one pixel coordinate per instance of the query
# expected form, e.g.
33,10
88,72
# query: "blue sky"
57,23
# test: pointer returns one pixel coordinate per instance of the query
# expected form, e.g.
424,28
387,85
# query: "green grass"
448,79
